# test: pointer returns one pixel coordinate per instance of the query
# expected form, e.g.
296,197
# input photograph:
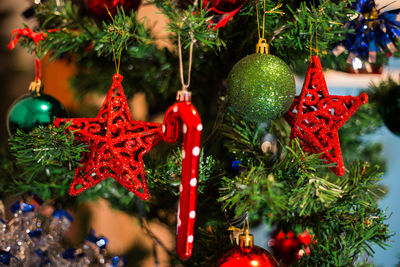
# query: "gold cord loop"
262,46
185,94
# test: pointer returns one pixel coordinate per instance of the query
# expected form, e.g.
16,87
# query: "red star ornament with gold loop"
315,116
116,142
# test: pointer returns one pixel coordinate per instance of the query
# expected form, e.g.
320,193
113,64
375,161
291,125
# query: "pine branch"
194,19
46,158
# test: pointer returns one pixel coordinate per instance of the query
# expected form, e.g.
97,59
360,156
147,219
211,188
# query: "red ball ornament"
288,247
257,256
98,7
247,255
223,6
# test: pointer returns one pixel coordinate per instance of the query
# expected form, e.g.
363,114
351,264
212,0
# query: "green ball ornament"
389,110
261,87
31,111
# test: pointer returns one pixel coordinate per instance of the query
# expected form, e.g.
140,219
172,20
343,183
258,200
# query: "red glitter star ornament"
117,144
315,116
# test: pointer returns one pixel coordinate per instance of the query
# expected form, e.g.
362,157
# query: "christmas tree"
223,143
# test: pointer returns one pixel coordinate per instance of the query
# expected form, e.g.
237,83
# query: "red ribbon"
36,37
17,33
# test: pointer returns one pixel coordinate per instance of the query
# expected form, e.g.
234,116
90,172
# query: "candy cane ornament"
184,111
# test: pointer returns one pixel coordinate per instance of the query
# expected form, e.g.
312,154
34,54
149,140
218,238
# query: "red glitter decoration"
288,247
224,10
315,116
117,144
256,256
98,7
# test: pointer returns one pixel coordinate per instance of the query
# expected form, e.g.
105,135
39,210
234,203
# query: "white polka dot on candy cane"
183,154
193,182
192,214
175,108
196,151
184,128
190,239
200,127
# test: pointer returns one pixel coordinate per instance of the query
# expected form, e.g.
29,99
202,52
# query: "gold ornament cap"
262,46
246,241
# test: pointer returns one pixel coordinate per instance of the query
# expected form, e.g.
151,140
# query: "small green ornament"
261,87
31,111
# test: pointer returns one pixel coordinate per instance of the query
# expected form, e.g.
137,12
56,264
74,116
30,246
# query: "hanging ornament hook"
312,49
185,94
262,46
116,62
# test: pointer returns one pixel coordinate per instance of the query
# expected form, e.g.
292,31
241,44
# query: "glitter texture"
261,87
117,144
315,116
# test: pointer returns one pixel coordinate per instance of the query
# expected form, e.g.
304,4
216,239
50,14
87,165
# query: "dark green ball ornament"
33,110
389,110
261,87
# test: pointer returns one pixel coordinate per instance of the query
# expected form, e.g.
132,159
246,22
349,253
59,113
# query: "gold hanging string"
314,26
117,65
312,49
184,94
262,45
258,23
263,28
120,32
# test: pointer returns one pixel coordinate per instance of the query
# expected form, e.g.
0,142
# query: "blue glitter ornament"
373,31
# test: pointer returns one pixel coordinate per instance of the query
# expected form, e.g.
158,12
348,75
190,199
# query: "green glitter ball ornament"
31,111
261,87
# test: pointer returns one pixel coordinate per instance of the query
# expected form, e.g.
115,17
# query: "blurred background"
16,72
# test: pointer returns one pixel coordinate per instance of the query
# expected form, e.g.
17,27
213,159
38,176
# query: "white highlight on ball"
175,108
163,128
